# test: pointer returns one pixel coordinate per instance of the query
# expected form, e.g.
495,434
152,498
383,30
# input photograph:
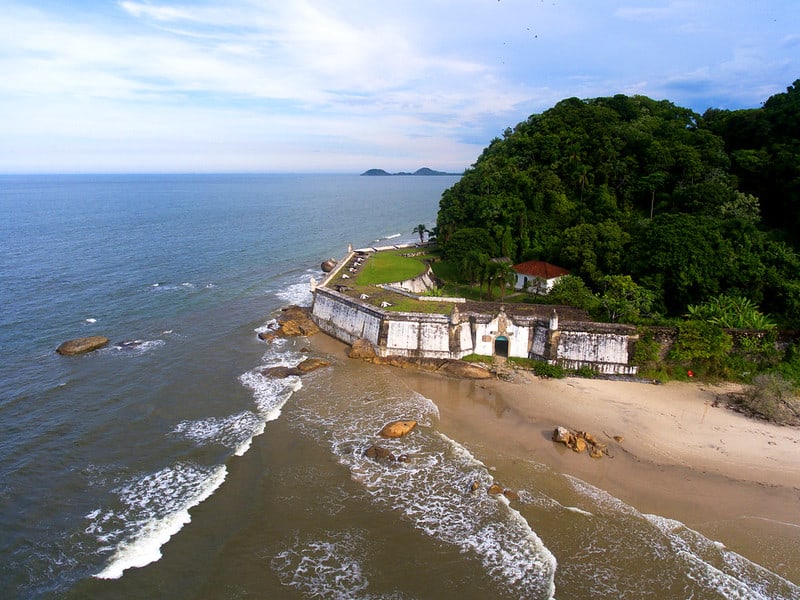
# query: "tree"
502,274
421,230
467,239
572,291
624,300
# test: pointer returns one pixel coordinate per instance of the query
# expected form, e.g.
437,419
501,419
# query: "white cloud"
201,85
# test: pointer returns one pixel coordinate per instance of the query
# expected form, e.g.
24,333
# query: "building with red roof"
537,275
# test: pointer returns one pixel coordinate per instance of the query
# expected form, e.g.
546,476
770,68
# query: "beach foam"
431,489
235,431
707,563
153,508
327,567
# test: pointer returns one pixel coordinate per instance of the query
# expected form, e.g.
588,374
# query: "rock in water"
328,265
281,372
379,453
397,429
312,364
82,345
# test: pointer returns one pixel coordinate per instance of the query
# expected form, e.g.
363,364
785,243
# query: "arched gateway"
501,346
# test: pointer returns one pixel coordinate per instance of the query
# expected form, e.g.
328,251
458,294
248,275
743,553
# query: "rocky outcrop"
445,366
397,429
82,345
580,441
312,364
364,350
282,371
379,453
292,322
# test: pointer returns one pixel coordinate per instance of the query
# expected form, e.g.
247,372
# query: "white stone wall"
344,320
593,347
403,335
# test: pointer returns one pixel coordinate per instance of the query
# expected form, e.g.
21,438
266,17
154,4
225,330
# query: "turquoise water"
167,466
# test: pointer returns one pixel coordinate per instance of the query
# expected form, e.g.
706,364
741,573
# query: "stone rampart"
604,348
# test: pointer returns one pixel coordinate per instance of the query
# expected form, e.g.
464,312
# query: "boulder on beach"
580,441
82,345
362,348
397,429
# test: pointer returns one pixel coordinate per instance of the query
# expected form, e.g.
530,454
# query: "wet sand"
732,478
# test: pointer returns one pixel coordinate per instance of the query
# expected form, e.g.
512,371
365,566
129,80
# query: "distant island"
423,171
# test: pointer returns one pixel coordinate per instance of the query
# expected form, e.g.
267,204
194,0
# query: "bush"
586,371
773,398
543,369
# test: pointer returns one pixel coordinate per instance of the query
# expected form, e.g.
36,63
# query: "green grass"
390,267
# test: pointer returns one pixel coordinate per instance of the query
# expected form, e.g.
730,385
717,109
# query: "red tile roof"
539,268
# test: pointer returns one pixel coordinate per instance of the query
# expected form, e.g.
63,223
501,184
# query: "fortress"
558,335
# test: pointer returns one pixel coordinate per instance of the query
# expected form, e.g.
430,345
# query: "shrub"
773,398
543,369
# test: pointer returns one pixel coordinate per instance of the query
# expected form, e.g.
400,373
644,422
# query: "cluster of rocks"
495,490
580,441
395,429
282,371
364,350
293,321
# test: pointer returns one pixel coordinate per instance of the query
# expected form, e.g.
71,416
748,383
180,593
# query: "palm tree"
503,275
421,230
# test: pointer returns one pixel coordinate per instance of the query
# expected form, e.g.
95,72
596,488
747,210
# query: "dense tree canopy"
688,206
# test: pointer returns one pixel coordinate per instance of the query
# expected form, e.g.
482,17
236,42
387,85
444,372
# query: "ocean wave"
152,509
134,347
705,562
431,489
297,293
235,431
714,567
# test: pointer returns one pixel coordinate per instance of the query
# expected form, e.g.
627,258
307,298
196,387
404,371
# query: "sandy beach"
733,479
682,455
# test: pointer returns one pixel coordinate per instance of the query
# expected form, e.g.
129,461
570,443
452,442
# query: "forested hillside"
690,207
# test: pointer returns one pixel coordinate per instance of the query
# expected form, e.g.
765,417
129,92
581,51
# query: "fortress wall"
604,348
585,346
344,318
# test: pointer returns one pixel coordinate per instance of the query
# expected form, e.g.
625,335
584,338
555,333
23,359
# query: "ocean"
166,466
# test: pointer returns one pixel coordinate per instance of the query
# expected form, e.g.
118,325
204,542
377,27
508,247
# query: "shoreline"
734,479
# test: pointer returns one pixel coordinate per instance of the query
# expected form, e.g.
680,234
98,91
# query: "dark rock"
328,265
82,345
379,453
281,372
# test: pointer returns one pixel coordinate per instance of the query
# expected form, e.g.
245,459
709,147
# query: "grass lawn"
390,267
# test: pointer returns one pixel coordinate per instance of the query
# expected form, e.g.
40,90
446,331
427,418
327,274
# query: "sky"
342,86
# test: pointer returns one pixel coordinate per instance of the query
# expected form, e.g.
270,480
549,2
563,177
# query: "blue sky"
347,85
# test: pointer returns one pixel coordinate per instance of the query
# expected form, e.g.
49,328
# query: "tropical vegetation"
662,216
653,207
